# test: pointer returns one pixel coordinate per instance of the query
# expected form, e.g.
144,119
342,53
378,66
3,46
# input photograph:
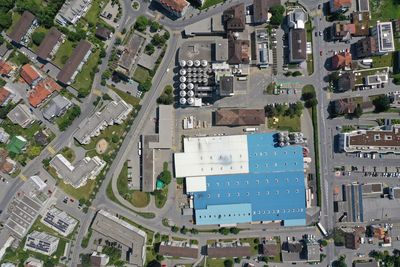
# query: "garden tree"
358,111
5,20
337,16
396,80
154,263
308,95
146,85
166,176
334,76
149,49
228,263
167,97
118,41
296,73
223,231
154,26
37,37
381,103
311,103
174,229
183,230
102,52
34,151
166,35
159,257
280,109
341,262
237,260
194,231
269,111
277,17
338,237
289,73
158,40
141,23
234,230
6,5
106,97
324,243
123,31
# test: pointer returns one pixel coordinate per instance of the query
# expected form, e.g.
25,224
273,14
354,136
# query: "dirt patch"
101,146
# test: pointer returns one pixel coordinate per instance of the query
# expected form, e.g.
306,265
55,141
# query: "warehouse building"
242,179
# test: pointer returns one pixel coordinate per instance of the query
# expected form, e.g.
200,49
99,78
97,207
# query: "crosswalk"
51,150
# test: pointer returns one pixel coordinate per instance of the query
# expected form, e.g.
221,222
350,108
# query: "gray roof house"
56,107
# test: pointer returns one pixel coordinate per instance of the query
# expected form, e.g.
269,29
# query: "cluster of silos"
192,73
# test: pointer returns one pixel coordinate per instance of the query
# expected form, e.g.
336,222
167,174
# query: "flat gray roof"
165,127
122,232
148,177
21,115
56,106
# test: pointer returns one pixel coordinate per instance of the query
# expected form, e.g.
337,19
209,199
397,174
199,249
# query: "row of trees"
167,97
44,13
291,110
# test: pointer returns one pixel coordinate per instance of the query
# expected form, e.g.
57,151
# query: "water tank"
189,80
194,80
189,75
182,86
194,75
236,35
197,63
182,101
190,93
189,69
190,101
182,93
195,69
189,63
190,86
205,80
182,79
201,70
182,63
182,71
234,71
204,63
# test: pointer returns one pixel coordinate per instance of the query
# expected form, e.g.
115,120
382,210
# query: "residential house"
30,74
342,61
339,5
50,44
366,47
24,28
297,45
103,33
261,8
178,249
371,263
129,53
17,144
234,18
270,248
4,136
41,138
71,11
114,112
347,106
352,240
43,90
342,31
346,82
177,8
21,115
129,238
5,96
239,117
361,21
7,69
383,33
296,18
74,64
56,107
234,249
33,262
42,243
99,260
77,174
59,221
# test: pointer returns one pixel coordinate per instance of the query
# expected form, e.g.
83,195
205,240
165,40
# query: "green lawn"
384,10
128,98
310,58
161,197
82,192
68,153
93,15
39,29
141,74
63,53
382,61
84,79
285,123
215,262
136,198
18,58
15,18
210,3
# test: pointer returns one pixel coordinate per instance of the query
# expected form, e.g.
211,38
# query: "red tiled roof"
176,5
4,94
42,91
341,60
29,74
7,167
341,3
5,68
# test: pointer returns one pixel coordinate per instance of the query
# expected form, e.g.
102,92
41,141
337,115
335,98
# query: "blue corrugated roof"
274,187
224,214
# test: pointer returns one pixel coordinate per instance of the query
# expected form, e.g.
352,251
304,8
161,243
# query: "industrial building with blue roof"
273,189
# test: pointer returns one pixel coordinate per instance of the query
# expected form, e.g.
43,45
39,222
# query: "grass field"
130,99
210,3
384,10
84,79
310,58
39,29
93,15
141,74
68,153
136,198
63,53
286,123
15,18
382,61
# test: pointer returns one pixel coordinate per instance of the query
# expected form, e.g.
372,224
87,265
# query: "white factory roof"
196,184
216,155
